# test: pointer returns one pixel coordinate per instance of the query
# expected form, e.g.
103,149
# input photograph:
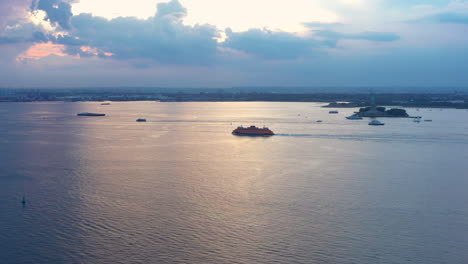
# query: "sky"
227,43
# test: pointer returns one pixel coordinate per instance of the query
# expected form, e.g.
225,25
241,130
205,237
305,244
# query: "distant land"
443,97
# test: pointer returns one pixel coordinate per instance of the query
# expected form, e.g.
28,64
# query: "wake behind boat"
90,114
252,131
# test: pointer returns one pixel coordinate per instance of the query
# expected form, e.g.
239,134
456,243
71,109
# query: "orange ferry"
252,131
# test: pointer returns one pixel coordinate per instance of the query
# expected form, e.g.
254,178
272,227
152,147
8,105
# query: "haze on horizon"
201,43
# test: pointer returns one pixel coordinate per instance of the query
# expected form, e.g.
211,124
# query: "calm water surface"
181,189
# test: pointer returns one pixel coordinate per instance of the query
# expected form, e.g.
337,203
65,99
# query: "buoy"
23,201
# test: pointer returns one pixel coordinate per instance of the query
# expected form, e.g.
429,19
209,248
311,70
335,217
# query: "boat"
252,131
354,117
427,120
319,121
105,104
333,112
90,114
141,120
376,122
417,119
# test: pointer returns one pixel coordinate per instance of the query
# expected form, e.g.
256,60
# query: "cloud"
369,35
173,9
279,45
272,45
165,50
36,37
446,18
12,11
322,24
23,33
162,38
58,11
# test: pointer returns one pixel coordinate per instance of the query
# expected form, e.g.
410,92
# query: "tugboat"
90,114
252,131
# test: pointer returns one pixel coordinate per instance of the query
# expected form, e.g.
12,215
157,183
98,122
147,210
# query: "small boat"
105,104
354,117
252,131
23,201
376,122
90,114
427,120
333,112
417,119
319,121
141,120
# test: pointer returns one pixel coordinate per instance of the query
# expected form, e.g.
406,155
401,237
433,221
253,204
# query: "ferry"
376,122
252,131
90,114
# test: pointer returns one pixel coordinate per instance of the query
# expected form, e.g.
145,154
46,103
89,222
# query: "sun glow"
41,50
38,18
238,15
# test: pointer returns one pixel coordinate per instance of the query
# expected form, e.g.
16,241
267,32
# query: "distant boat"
417,119
354,117
105,104
319,121
141,120
90,114
427,120
376,122
333,112
23,201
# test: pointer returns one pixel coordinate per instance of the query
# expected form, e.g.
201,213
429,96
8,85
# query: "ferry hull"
252,135
252,131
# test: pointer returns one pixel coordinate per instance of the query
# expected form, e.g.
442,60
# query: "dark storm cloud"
57,11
